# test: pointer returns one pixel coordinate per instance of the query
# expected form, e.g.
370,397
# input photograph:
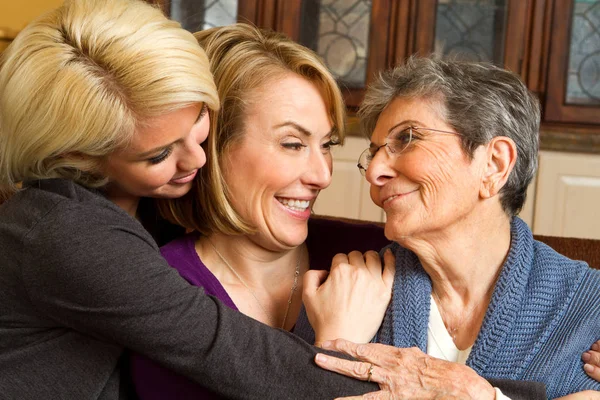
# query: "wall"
16,14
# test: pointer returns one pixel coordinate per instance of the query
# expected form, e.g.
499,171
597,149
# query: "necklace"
453,331
292,290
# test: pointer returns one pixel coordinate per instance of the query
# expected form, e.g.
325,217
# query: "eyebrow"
407,122
301,129
162,147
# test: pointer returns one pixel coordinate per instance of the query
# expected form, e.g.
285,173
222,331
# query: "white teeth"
293,204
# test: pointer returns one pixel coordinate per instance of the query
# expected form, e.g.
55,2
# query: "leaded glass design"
471,30
583,83
341,36
195,15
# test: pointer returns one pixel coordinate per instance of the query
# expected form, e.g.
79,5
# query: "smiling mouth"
397,195
294,204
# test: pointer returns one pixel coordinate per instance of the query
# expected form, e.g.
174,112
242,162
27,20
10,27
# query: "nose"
381,168
318,173
193,157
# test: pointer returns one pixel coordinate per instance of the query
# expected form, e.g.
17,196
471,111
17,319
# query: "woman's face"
162,159
432,184
282,160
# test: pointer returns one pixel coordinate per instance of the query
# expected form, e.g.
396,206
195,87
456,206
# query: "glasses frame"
391,149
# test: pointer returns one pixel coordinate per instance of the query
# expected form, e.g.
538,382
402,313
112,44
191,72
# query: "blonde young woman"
103,103
269,155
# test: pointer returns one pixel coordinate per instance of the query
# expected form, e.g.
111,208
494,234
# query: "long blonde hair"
77,82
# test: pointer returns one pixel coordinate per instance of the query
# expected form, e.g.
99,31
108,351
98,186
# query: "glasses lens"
364,160
400,141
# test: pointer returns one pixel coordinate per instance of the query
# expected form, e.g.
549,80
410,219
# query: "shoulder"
182,248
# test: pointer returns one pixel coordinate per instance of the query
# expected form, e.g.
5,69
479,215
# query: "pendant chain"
292,289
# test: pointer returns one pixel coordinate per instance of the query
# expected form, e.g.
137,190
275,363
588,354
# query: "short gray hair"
479,100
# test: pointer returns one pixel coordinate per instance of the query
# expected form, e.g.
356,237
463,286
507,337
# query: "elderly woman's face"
282,161
432,183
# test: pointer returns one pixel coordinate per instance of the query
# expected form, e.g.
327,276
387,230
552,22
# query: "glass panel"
583,84
471,30
195,15
338,30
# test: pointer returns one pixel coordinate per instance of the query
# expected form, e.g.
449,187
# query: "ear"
501,158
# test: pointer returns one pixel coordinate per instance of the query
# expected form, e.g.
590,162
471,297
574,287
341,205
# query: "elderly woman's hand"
351,300
405,373
591,359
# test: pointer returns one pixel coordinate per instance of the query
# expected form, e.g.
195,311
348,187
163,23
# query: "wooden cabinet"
567,195
348,195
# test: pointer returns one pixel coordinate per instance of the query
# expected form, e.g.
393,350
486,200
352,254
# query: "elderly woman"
269,155
453,148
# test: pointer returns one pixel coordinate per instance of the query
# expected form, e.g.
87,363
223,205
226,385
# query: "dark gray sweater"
81,281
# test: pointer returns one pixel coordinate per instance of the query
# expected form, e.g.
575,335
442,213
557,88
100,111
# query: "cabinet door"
568,195
476,30
351,36
195,15
348,195
574,67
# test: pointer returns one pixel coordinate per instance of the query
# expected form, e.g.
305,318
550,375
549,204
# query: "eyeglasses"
395,145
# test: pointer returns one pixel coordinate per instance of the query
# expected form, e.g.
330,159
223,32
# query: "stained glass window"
471,30
195,15
583,81
338,30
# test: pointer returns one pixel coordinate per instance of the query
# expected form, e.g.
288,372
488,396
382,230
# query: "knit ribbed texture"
544,313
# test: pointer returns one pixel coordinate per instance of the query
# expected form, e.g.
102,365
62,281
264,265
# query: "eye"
161,157
329,144
294,145
203,112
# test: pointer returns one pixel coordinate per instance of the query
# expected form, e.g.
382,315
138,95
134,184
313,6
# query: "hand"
350,301
585,395
591,358
405,373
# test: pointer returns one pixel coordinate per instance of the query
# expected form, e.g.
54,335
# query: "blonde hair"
242,58
77,82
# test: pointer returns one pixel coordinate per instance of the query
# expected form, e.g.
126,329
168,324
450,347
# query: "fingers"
363,352
379,395
312,280
591,359
389,270
365,371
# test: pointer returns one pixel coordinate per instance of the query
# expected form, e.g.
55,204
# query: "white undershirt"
441,345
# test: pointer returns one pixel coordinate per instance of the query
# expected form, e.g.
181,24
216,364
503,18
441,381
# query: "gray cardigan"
81,281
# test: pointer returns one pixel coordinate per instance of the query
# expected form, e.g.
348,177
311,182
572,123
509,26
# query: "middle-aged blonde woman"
454,146
268,158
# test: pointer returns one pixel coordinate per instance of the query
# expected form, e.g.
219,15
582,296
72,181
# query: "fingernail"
586,356
588,368
326,344
596,347
322,358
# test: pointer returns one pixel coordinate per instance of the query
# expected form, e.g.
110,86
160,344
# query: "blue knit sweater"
544,313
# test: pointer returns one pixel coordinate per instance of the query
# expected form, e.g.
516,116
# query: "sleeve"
105,278
519,390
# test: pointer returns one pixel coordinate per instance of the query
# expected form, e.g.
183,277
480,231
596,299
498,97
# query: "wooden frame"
514,41
557,110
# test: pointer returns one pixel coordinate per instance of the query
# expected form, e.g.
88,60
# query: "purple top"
151,380
325,239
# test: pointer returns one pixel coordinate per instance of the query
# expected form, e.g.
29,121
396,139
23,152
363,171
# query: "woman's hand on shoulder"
350,300
591,358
